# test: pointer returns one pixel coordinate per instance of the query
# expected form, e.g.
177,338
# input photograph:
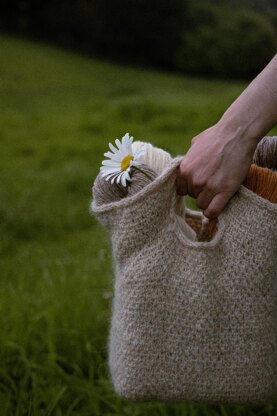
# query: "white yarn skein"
158,159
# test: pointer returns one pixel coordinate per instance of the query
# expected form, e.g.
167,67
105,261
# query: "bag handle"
238,205
178,209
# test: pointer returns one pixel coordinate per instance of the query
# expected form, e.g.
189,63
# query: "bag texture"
192,321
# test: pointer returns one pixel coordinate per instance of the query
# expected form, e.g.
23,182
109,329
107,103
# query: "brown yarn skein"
105,191
263,182
261,177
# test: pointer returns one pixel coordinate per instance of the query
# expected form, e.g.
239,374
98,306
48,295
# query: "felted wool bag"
192,321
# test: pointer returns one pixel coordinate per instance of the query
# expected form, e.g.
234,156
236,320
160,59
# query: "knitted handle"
244,199
195,229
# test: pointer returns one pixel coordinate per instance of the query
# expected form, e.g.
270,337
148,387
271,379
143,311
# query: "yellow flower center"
125,162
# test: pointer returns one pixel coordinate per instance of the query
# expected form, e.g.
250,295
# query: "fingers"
186,184
212,192
205,197
210,200
181,184
217,204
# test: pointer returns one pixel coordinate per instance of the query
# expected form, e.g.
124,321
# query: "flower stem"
146,174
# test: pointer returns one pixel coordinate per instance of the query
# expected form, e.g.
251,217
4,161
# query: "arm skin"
219,158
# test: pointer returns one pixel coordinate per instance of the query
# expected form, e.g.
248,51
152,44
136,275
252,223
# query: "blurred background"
230,38
75,75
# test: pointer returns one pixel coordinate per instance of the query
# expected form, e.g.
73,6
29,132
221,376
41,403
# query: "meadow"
58,112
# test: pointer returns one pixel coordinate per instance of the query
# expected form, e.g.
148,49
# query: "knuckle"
229,187
224,187
212,186
185,171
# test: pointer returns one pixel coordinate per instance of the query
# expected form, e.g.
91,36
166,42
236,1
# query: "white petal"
118,143
115,176
123,180
124,151
125,139
118,177
113,149
128,176
110,163
112,175
129,144
109,154
130,138
109,172
107,168
126,142
112,156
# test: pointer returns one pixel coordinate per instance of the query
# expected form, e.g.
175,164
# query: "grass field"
58,113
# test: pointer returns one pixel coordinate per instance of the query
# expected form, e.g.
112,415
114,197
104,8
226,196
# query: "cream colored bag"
192,321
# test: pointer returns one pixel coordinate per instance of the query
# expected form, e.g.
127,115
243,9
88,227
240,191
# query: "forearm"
219,158
254,112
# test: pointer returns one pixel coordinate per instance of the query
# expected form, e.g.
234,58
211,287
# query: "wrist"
239,128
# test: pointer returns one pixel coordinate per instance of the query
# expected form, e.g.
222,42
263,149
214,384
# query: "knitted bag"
192,321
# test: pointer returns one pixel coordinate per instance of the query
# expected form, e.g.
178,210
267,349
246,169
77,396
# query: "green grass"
58,112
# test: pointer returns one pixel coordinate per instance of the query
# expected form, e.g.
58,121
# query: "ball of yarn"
157,159
140,180
262,181
105,191
266,153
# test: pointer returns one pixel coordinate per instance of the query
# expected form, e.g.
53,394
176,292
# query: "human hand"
219,158
214,168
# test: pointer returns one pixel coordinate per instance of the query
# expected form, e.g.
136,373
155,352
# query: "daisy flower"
121,160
